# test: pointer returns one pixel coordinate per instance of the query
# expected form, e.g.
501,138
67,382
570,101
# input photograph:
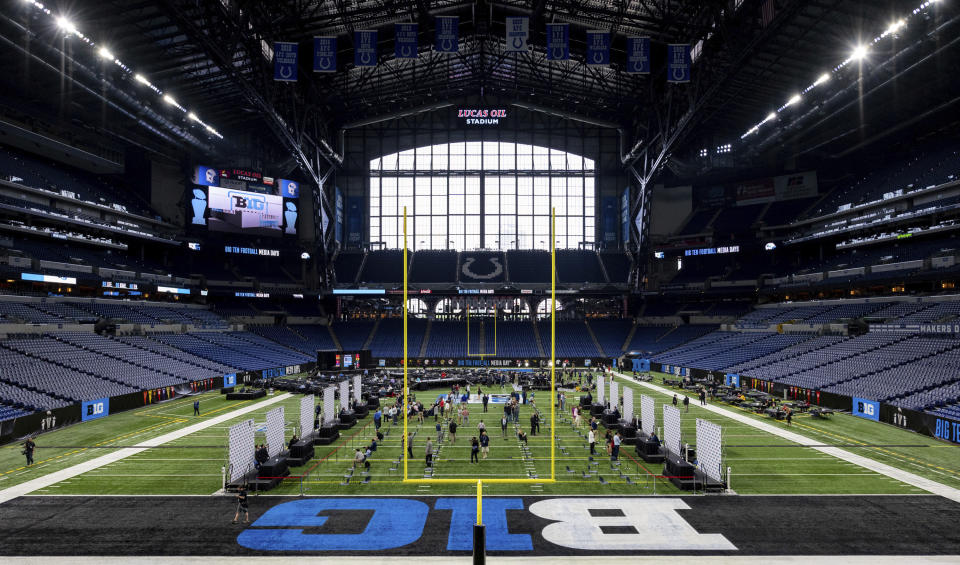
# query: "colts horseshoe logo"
405,51
517,42
597,57
679,73
286,72
469,273
446,45
558,53
323,62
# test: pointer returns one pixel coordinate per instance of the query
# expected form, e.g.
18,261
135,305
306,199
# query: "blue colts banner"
866,408
598,47
365,48
285,61
558,42
93,409
447,39
405,44
324,54
678,62
638,55
518,32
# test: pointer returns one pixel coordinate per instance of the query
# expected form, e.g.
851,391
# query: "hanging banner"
324,54
285,61
518,32
365,48
678,62
405,44
558,42
638,55
447,38
598,47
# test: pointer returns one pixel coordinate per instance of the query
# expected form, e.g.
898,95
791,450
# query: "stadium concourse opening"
433,280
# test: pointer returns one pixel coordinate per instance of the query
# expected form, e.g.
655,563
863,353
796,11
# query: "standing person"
196,407
503,427
481,427
592,438
486,399
28,447
789,415
703,397
534,423
453,432
410,445
429,452
242,506
474,450
617,440
674,399
439,428
484,443
466,415
686,403
377,419
576,417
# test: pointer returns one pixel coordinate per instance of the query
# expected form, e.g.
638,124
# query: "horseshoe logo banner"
558,42
285,61
598,47
447,33
468,271
365,53
406,41
678,62
324,54
517,33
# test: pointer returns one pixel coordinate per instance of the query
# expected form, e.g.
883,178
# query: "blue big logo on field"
866,408
591,524
93,409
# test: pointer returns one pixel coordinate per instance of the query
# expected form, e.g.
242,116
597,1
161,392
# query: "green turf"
761,463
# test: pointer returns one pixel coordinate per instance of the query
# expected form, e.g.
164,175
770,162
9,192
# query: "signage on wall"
482,117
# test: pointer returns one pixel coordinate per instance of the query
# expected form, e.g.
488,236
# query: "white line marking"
80,468
842,454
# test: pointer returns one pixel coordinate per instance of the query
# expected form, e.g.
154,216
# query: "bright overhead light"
193,116
823,78
771,116
896,26
169,99
105,53
793,100
859,53
141,79
66,25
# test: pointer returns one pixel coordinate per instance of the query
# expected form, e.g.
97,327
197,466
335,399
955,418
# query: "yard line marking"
842,454
80,468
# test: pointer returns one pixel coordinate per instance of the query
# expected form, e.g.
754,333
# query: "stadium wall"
937,427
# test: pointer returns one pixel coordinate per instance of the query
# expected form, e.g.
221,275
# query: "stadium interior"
212,210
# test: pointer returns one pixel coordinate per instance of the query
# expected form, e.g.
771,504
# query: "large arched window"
489,194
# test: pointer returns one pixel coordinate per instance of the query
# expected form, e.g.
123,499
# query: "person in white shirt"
592,439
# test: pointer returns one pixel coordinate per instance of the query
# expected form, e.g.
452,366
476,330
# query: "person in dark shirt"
242,506
28,447
485,443
453,431
522,436
474,450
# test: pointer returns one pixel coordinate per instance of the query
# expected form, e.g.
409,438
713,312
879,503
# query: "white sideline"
842,454
80,468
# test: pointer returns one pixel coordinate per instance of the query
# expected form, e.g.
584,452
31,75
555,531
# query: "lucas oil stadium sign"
482,117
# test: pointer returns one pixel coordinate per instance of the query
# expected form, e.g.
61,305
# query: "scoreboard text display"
236,211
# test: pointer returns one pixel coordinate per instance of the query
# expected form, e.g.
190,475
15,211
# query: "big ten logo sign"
866,408
587,524
92,409
948,430
247,201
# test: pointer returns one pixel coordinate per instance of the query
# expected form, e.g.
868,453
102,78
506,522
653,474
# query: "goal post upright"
553,342
406,385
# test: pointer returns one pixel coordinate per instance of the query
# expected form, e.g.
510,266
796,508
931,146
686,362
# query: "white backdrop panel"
345,395
671,428
648,414
275,431
627,403
614,393
329,404
306,414
600,390
242,444
357,389
709,449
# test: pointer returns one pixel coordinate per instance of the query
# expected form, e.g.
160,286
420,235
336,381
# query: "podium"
327,434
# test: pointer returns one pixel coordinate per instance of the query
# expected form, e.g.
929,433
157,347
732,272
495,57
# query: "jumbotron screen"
237,211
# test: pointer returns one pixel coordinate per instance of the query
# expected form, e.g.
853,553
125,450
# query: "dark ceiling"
209,54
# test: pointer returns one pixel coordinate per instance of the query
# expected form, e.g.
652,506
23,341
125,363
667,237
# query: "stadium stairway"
426,338
373,332
593,338
626,343
333,336
536,333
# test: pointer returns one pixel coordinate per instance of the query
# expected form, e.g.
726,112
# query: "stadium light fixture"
141,79
193,116
105,53
169,99
793,100
822,79
770,116
859,53
895,26
66,25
